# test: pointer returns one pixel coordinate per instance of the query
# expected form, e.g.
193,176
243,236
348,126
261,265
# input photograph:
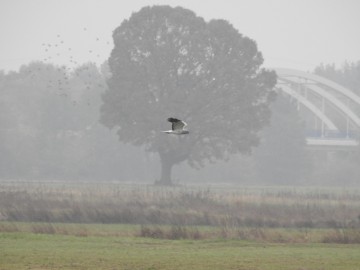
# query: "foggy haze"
184,134
292,34
55,54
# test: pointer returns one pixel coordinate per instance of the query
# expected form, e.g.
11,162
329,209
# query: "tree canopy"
168,62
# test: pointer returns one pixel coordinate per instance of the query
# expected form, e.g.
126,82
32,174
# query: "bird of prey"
177,127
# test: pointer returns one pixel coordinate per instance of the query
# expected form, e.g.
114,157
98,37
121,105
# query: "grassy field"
112,226
21,250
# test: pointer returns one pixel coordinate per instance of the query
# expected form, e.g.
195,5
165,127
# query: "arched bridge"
331,112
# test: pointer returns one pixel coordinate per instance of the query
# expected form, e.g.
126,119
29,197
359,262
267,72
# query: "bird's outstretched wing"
177,124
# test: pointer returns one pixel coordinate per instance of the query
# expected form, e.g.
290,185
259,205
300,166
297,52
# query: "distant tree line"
49,126
348,75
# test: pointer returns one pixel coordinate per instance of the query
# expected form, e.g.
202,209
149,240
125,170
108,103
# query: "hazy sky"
290,33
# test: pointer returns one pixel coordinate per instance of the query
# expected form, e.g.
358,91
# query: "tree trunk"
166,166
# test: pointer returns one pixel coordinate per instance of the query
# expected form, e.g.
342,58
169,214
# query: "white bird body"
177,128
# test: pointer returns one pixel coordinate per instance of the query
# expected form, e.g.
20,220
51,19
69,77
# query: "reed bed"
225,206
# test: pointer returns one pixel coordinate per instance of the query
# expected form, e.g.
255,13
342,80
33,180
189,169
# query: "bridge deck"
332,142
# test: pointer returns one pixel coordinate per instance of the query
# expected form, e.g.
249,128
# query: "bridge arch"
288,73
329,124
300,85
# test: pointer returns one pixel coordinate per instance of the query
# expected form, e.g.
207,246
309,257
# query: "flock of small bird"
73,68
60,48
59,76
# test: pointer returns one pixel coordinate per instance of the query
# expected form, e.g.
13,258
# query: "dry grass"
228,208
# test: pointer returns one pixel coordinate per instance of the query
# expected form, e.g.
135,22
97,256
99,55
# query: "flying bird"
177,127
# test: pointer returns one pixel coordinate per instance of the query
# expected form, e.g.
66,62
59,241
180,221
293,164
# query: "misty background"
55,72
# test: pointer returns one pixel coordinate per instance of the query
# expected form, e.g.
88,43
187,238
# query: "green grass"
269,235
25,250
